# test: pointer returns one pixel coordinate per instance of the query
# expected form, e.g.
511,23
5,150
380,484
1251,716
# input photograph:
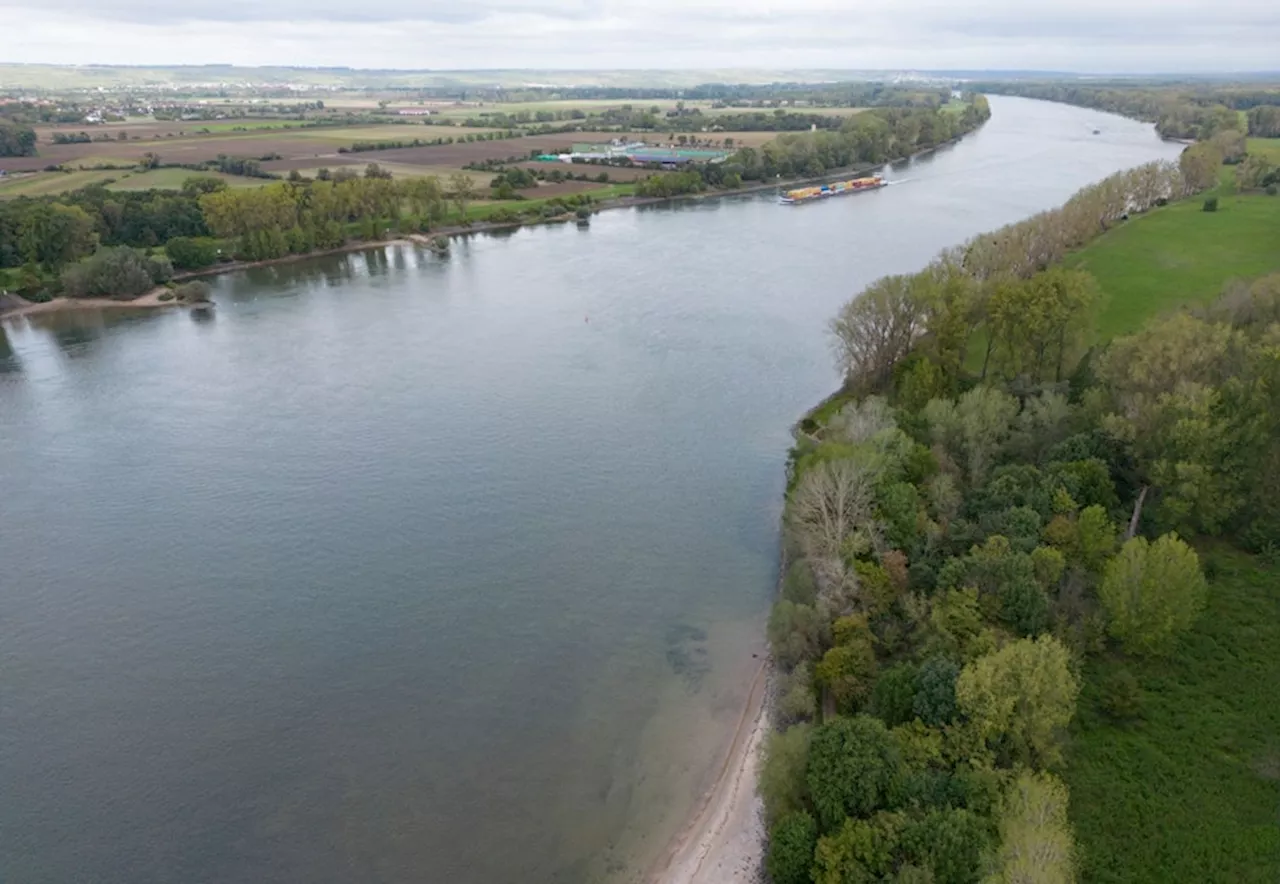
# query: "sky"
1121,36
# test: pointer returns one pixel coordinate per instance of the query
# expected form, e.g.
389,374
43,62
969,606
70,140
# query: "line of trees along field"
985,504
1178,111
49,237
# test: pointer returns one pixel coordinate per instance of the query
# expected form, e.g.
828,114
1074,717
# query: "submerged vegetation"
992,533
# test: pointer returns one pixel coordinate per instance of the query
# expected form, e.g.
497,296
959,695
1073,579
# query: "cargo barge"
835,188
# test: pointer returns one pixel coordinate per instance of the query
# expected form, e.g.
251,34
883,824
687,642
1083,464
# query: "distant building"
415,112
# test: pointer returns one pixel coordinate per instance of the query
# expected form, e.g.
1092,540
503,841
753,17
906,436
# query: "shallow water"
407,568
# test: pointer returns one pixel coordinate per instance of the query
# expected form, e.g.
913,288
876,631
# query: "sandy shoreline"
724,842
150,300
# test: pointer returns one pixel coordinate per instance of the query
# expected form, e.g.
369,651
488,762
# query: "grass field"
1180,255
171,179
51,183
1190,791
1267,147
48,183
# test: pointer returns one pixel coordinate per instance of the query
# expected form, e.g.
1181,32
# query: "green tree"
54,235
861,852
951,842
192,253
853,769
973,429
1199,164
876,330
462,188
848,670
1019,699
791,844
893,698
16,139
935,700
1036,843
1152,593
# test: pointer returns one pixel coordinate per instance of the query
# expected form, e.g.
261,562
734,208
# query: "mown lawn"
1190,790
1180,255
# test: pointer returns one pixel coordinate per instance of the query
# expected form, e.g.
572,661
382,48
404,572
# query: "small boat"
835,188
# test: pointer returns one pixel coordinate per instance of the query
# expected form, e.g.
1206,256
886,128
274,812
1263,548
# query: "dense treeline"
1178,111
872,137
964,528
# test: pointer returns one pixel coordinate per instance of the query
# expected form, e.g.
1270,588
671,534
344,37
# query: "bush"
115,272
167,296
1211,204
194,292
782,772
1271,190
1121,696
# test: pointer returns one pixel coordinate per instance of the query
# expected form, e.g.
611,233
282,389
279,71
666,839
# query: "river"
408,568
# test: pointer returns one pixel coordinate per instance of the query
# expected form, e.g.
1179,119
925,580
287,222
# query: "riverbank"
151,299
22,307
724,842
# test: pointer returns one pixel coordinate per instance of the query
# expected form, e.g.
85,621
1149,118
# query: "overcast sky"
1078,35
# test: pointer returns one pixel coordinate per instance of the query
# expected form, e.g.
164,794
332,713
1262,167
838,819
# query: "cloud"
1086,35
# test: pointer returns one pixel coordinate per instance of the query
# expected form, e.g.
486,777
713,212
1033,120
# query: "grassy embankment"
1190,789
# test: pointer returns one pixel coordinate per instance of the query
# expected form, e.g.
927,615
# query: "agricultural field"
1186,787
1180,255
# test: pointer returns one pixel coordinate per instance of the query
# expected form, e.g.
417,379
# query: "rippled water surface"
403,568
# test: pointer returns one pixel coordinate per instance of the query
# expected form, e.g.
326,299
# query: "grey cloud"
1087,35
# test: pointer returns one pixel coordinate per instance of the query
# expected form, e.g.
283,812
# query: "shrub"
167,296
782,772
795,695
1271,190
1121,696
1211,204
194,292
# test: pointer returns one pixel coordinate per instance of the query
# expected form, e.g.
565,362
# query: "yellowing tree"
1036,844
1152,592
1019,698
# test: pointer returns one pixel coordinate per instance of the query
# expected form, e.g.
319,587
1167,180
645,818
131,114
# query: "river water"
406,568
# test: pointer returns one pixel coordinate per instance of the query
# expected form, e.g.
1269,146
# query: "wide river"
415,569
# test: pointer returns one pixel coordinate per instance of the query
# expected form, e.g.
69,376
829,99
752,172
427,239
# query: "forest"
994,505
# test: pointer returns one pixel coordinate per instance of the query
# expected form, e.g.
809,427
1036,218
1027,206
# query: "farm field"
1188,789
1179,255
